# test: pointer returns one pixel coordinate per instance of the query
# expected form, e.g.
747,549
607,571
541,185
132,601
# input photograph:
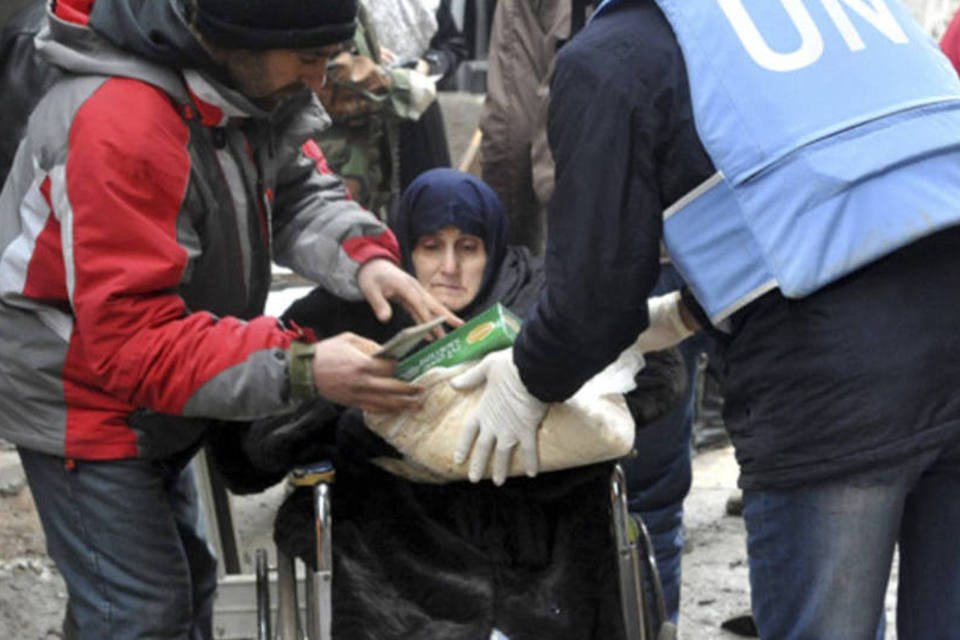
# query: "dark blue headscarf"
441,197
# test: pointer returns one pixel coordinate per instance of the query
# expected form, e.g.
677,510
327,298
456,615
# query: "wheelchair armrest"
312,474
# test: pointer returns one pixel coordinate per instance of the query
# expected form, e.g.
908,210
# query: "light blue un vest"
834,126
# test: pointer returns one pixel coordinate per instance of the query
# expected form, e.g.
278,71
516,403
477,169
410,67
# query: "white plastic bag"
592,426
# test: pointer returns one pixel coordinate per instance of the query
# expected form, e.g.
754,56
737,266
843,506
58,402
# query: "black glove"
280,443
358,444
161,436
253,456
226,456
661,386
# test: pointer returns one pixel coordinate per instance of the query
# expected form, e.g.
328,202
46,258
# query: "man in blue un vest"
800,160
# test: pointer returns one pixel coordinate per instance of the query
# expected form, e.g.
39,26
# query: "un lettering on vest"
874,12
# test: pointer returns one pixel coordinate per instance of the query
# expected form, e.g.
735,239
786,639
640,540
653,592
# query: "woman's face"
449,264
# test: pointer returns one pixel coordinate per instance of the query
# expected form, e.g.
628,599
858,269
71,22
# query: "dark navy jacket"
859,374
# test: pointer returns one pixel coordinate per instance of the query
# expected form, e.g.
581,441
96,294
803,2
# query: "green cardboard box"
494,329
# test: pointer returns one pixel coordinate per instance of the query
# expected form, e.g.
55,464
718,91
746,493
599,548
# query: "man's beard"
272,100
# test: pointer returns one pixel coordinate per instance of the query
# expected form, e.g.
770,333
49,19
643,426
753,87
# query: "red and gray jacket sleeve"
120,193
319,232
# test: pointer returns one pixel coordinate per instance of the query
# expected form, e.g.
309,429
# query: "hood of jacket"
155,30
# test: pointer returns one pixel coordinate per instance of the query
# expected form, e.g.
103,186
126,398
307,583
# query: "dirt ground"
32,594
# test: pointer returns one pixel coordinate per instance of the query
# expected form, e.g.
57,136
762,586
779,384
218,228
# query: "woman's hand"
387,56
345,372
380,281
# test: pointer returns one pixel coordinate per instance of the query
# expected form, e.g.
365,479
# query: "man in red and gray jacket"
156,182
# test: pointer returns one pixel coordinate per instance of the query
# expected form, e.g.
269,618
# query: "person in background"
368,101
786,178
514,157
153,183
533,558
423,35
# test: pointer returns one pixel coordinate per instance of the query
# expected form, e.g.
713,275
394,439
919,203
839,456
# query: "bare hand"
381,280
345,372
387,56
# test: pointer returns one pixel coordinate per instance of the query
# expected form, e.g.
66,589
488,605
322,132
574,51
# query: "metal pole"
218,516
288,612
632,599
321,578
313,626
263,596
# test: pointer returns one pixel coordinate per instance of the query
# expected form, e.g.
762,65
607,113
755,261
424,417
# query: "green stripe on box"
494,329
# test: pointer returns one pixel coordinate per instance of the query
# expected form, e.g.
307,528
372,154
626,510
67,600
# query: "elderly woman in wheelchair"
535,558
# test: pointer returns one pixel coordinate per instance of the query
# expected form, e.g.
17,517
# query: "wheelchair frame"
641,593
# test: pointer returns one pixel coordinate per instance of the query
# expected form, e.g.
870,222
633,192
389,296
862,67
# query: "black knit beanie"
276,24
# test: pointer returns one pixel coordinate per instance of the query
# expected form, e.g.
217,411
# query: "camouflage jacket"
366,99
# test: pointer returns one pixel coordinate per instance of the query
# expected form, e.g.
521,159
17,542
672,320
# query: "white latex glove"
666,326
507,415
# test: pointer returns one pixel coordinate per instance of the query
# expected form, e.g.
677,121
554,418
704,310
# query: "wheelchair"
641,594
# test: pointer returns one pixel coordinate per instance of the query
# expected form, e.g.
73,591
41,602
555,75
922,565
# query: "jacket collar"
216,102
